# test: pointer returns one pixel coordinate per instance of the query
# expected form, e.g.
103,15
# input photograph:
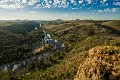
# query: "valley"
21,64
57,49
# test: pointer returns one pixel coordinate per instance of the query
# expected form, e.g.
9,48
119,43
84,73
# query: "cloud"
104,0
52,4
72,1
71,4
32,2
89,1
32,12
15,4
80,1
100,11
117,3
109,10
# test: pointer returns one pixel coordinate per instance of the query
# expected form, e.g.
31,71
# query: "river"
21,64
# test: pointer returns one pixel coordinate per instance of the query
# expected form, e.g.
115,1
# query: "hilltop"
103,63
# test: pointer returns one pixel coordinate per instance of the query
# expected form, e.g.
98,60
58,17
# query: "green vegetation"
17,39
79,36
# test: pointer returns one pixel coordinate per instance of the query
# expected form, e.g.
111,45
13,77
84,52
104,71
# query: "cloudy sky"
59,9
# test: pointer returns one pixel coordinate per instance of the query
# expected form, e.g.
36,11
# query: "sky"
59,9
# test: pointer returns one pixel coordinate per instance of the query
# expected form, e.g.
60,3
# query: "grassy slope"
113,24
79,37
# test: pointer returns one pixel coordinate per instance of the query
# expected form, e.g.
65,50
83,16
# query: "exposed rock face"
103,63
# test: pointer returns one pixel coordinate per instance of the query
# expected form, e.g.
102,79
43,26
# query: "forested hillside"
16,40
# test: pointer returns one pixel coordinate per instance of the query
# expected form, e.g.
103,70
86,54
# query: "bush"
117,44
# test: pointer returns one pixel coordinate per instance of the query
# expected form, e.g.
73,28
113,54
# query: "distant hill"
79,30
114,24
17,38
15,31
18,27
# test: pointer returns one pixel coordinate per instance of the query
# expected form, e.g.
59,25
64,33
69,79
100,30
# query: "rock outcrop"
103,63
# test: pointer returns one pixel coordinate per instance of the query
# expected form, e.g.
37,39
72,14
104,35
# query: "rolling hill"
79,36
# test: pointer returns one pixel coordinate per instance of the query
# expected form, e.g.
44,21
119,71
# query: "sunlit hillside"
69,50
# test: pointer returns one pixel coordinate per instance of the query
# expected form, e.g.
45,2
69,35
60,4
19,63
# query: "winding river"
21,64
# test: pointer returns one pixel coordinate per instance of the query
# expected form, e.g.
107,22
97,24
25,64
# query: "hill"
114,24
16,40
78,37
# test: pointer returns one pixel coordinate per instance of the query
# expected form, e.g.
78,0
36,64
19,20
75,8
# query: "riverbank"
14,66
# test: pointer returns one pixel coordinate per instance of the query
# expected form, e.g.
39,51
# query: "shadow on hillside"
114,31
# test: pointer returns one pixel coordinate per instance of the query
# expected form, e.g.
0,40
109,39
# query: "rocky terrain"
103,63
